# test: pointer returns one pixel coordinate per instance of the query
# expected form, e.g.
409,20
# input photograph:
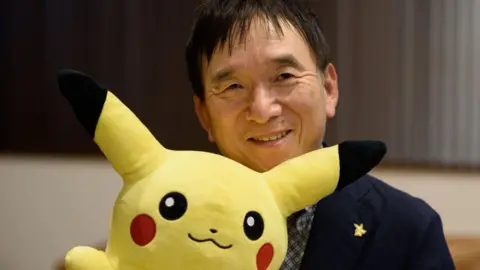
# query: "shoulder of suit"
401,207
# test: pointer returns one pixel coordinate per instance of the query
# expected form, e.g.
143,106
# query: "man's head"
264,85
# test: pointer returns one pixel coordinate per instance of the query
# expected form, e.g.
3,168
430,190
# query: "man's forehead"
243,36
260,40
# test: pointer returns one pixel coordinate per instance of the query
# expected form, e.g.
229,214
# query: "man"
264,88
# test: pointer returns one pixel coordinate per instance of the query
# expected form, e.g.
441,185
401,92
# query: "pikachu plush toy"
196,210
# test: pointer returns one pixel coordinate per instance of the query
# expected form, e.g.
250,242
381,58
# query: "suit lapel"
332,243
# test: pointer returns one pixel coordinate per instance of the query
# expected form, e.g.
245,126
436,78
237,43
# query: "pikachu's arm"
87,258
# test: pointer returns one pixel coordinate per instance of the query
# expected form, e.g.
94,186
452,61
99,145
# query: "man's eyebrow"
288,60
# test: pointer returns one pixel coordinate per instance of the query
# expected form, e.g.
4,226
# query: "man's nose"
263,106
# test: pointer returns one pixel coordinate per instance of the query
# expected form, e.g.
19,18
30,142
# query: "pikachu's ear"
304,180
129,146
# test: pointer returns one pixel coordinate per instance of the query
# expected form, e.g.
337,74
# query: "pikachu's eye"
253,225
173,206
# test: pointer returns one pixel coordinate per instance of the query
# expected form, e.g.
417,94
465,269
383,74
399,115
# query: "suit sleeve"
432,253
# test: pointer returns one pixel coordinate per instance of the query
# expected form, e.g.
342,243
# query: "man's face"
266,101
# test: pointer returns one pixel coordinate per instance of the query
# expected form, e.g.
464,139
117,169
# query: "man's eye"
284,76
233,86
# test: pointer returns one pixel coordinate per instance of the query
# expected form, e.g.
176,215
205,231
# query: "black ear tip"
375,150
84,94
73,83
378,148
68,79
66,75
69,72
357,158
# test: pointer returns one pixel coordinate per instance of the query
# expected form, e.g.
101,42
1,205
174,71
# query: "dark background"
134,47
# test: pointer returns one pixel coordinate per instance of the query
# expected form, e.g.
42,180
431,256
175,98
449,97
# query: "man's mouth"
271,138
209,240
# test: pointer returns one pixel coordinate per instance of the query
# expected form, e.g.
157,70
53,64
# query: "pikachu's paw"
83,258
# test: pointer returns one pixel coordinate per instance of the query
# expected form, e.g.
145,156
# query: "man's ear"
330,84
203,116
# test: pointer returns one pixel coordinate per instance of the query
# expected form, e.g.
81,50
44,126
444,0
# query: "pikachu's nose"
213,231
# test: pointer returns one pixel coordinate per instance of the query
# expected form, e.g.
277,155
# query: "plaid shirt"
298,226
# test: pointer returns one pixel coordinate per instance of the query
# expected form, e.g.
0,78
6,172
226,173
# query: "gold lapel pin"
359,230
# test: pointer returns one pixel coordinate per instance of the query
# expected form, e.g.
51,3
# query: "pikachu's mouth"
209,240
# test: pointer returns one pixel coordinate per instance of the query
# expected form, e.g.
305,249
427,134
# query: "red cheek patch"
142,229
264,256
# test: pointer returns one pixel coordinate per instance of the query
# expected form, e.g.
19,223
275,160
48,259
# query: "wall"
408,75
49,204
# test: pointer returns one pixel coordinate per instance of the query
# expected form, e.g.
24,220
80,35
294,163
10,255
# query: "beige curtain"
410,75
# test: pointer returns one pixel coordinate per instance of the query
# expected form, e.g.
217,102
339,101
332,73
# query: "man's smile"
270,140
209,240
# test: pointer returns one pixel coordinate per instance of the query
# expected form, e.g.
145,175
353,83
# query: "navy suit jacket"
402,232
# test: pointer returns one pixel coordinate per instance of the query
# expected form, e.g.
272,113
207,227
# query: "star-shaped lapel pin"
359,230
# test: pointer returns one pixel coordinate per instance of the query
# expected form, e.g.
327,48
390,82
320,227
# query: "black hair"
226,22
